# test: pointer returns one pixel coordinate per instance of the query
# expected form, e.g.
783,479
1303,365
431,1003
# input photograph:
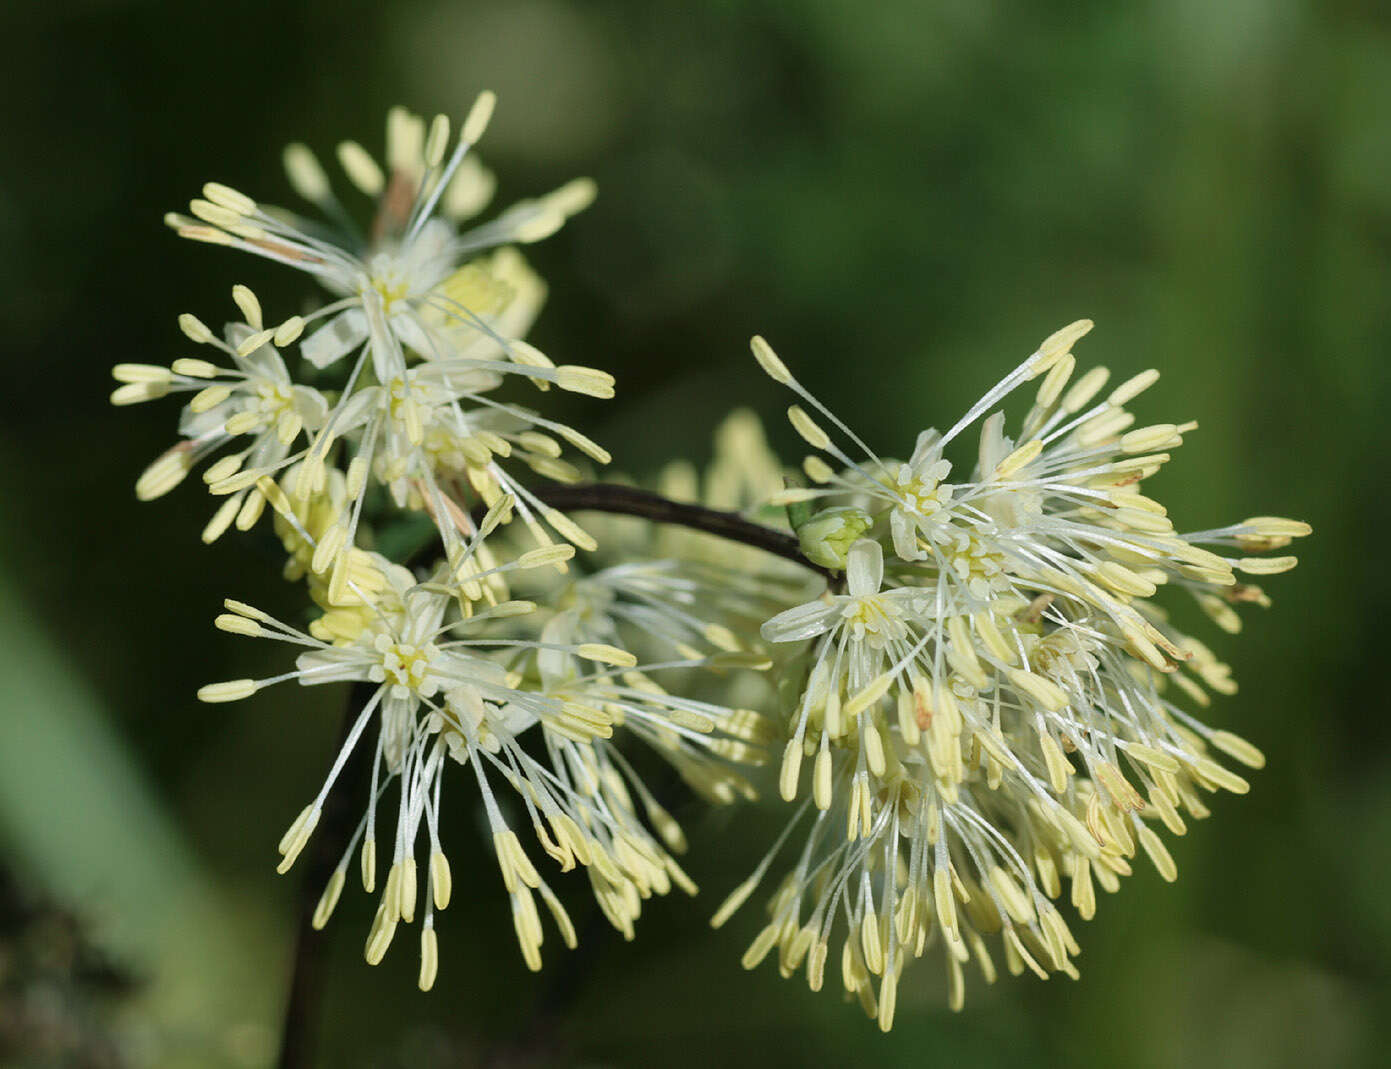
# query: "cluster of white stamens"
989,706
418,335
449,688
429,316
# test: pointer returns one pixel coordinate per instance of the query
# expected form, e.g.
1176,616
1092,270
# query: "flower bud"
827,536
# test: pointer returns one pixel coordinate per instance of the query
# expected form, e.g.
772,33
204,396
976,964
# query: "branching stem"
632,501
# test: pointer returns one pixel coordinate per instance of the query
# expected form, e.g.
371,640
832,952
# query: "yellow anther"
807,428
328,901
229,198
768,360
362,170
585,380
1237,747
305,174
250,307
1132,387
230,691
605,654
429,957
1021,457
478,117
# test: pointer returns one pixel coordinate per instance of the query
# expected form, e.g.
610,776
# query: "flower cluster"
975,691
399,408
990,702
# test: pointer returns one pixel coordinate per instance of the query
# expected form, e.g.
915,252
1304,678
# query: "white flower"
989,709
432,315
873,617
406,266
447,688
254,399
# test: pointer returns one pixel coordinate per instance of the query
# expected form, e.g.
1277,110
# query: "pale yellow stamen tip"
368,865
237,625
791,770
254,341
1277,527
1266,565
437,141
523,352
362,170
818,471
1238,748
379,937
329,900
768,360
543,555
571,531
807,428
133,393
1158,853
194,329
585,445
867,697
604,654
207,234
429,957
295,837
193,368
229,198
231,691
141,374
478,117
794,494
1061,341
441,879
586,380
305,174
1045,692
289,331
249,305
574,196
736,899
1131,388
1021,457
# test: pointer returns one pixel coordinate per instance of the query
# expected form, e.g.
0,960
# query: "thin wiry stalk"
632,501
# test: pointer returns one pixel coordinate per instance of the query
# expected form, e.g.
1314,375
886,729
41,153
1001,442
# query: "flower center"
408,667
875,620
924,496
273,398
979,565
390,278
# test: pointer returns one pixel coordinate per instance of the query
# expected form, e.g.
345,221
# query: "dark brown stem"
631,501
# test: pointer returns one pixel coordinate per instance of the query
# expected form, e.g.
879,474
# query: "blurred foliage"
56,987
904,197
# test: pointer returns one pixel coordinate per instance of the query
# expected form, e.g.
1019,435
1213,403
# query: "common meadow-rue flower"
989,702
453,688
254,400
431,313
412,258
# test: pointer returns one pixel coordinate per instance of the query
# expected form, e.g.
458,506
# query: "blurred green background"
904,197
